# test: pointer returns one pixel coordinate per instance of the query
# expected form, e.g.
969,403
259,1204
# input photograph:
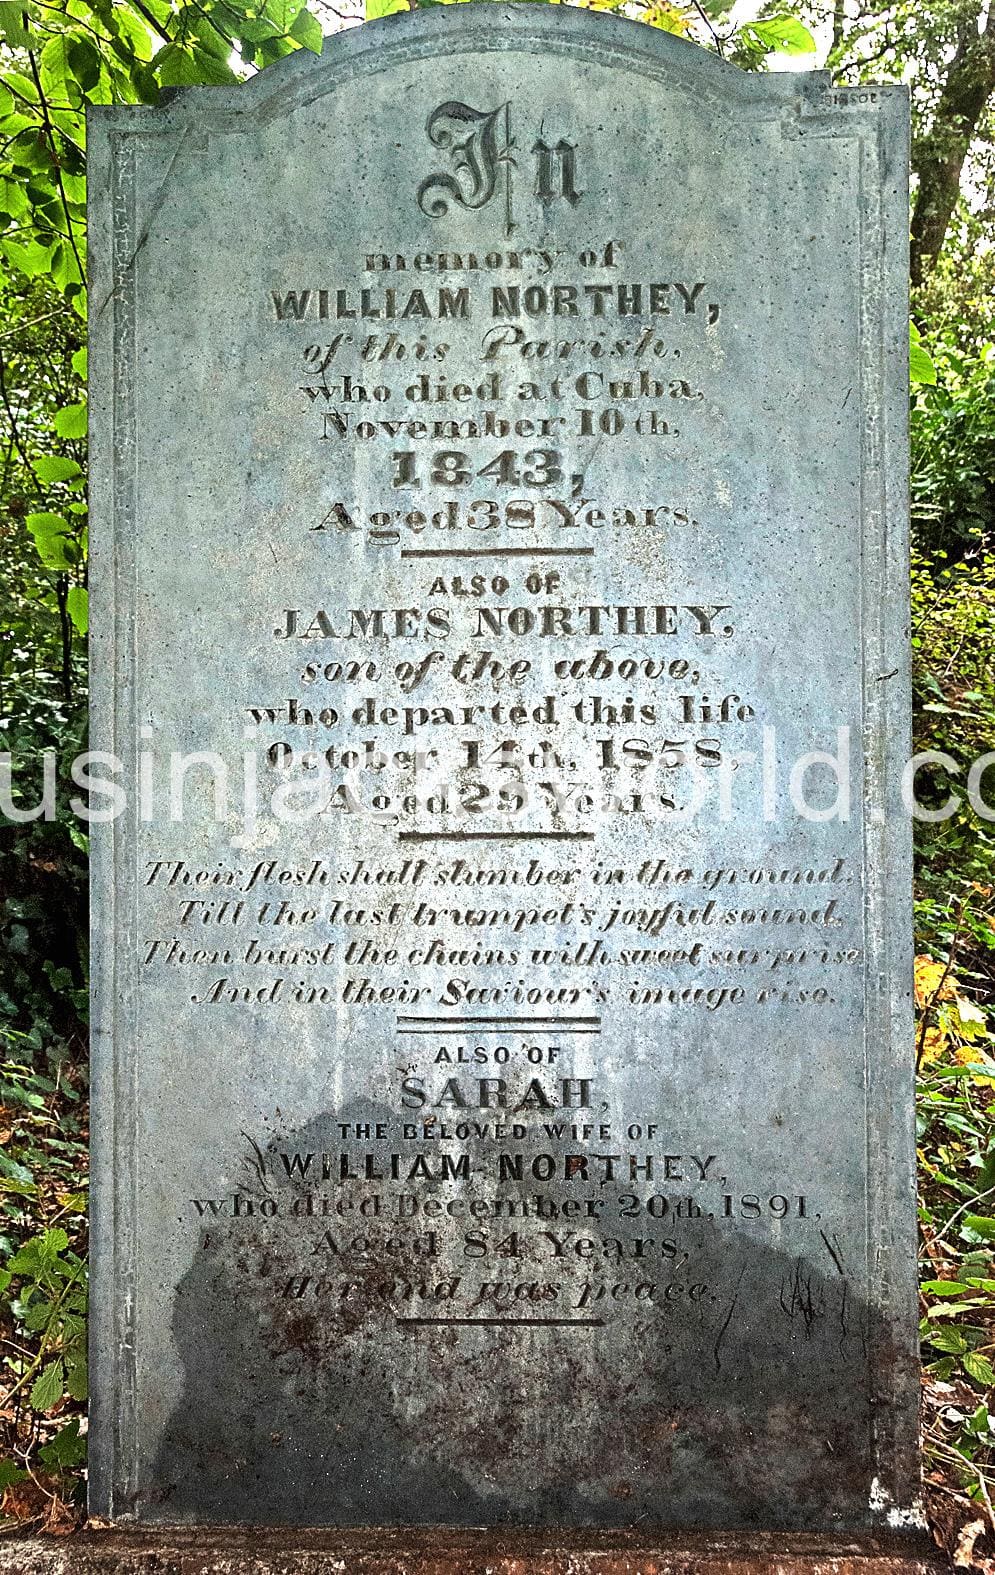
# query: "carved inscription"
479,145
500,727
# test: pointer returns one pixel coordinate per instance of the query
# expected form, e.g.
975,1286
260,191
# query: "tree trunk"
938,157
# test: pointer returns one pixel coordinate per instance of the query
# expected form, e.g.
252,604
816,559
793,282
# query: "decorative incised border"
123,304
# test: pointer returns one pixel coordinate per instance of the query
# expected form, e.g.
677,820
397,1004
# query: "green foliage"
953,632
43,1297
42,505
953,453
957,302
953,621
67,1448
921,367
957,1174
777,33
749,44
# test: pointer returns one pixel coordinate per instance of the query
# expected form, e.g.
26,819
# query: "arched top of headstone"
516,26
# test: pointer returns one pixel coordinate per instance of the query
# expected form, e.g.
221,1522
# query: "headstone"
502,1070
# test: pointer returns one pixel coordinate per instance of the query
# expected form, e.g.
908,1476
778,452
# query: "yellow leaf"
928,974
669,18
73,1202
969,1013
933,1046
970,1055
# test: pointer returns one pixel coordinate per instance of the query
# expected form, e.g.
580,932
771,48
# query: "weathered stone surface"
507,1141
439,1553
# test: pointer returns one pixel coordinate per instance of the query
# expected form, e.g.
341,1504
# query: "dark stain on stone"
740,1411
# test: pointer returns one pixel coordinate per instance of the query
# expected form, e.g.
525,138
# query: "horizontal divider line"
515,1323
403,1018
559,1029
494,836
497,552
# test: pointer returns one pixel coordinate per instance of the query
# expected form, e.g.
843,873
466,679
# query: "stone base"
237,1551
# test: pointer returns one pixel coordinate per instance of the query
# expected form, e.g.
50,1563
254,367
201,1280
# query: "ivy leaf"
174,67
75,188
274,48
32,259
135,33
179,67
979,1368
78,362
49,1245
9,1474
76,1380
54,467
921,368
70,421
66,1448
306,30
13,125
378,8
210,38
944,1287
784,33
84,62
12,28
16,1177
947,1340
13,198
981,1225
48,1388
282,13
64,267
50,532
58,82
212,70
77,608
